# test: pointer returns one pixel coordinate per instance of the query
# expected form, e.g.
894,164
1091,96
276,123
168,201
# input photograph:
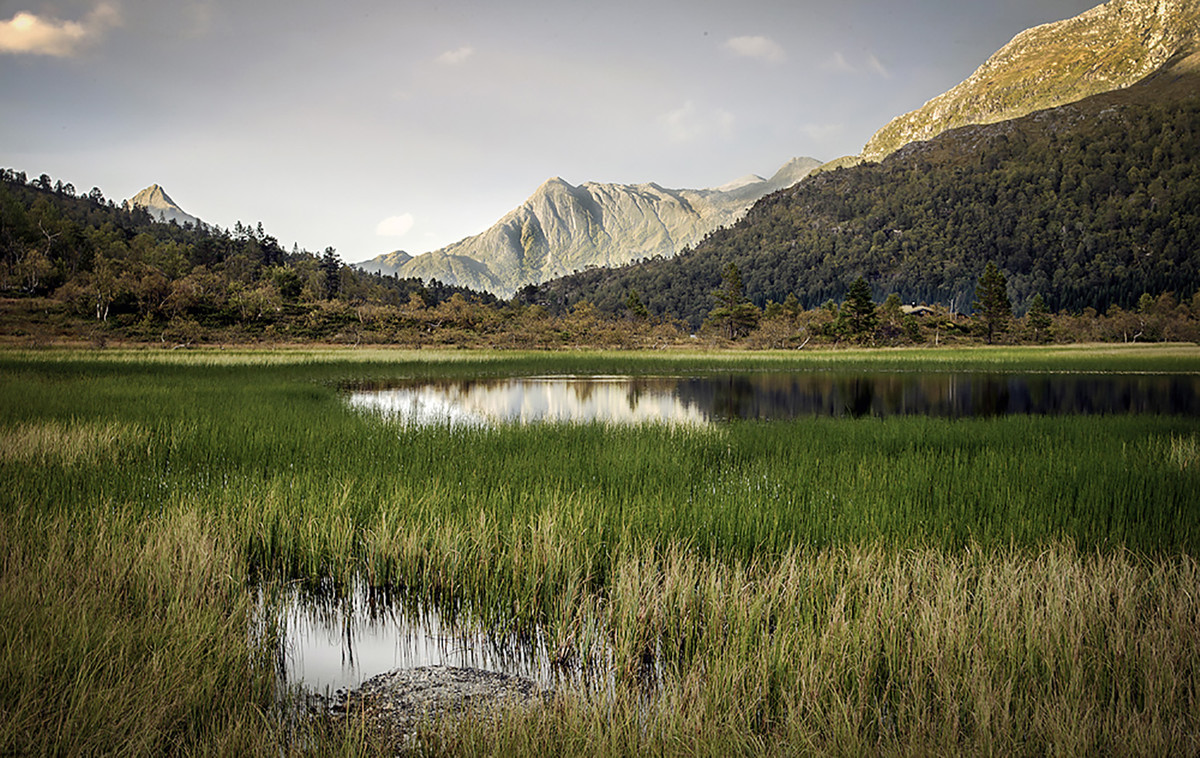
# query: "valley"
894,454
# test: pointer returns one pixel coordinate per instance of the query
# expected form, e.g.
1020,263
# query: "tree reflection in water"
726,397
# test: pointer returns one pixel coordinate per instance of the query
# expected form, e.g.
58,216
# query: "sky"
384,125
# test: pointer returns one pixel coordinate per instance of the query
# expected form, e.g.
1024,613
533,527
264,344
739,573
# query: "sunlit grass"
65,443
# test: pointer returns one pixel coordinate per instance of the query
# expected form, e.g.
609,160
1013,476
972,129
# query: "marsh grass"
123,636
1016,585
891,651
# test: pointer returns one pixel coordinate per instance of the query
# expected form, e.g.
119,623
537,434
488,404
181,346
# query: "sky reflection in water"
340,643
702,400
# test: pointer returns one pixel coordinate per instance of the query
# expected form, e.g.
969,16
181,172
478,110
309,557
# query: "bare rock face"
1109,47
563,228
395,703
161,207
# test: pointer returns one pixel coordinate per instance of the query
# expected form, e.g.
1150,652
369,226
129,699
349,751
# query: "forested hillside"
121,268
1089,205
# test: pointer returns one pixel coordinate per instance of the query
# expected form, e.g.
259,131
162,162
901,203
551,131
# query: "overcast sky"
382,125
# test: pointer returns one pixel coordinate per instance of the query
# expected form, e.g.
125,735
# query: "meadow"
1017,585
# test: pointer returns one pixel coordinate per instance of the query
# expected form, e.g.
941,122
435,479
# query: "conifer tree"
992,305
1038,318
331,270
858,311
633,304
734,314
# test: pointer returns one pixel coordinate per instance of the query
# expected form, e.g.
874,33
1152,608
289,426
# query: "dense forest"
1090,206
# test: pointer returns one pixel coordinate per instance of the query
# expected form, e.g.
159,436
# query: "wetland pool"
700,400
338,643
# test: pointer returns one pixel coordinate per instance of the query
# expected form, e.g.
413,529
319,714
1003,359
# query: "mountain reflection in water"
704,399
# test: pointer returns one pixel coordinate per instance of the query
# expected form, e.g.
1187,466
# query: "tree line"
80,267
857,320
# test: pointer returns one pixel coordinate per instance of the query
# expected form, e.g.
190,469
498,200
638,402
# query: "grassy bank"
1016,585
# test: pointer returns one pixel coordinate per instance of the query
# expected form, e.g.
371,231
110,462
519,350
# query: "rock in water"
394,703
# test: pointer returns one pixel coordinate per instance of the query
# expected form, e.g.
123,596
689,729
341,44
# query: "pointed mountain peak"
160,205
555,183
154,197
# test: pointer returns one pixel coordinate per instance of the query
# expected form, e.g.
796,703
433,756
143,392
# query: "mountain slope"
563,228
386,263
1107,48
161,207
1090,205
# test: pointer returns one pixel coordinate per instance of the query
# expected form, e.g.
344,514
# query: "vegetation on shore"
1014,585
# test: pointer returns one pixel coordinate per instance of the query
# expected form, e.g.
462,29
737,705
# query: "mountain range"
563,228
1089,205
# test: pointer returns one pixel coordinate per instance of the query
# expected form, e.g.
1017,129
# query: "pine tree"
633,304
1038,318
858,311
331,270
734,314
991,304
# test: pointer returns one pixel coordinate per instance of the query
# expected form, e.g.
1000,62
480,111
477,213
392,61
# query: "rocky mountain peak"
562,228
154,196
555,183
1108,47
160,205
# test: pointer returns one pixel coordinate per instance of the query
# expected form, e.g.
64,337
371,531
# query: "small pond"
338,643
700,400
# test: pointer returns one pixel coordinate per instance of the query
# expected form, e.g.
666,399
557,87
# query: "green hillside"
1089,205
136,278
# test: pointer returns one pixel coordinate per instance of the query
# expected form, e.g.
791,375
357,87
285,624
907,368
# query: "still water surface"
339,643
707,399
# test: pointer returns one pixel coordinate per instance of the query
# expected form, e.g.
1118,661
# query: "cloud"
874,66
690,123
28,33
838,62
457,56
869,64
395,226
760,48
